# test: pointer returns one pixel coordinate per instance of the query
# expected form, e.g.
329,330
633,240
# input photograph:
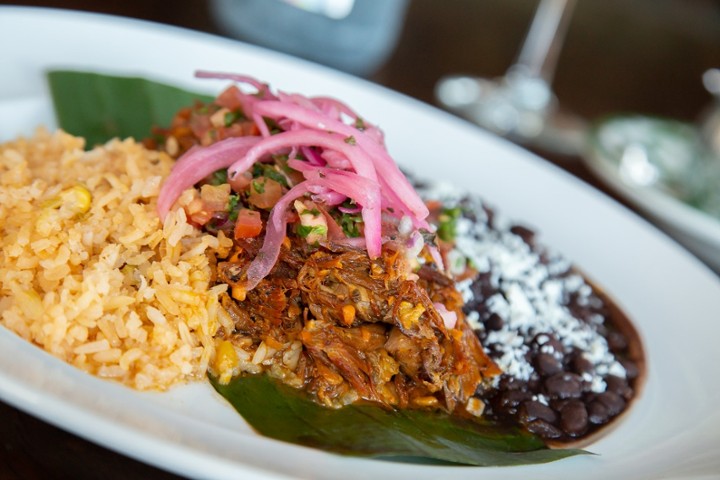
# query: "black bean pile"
568,368
569,410
556,402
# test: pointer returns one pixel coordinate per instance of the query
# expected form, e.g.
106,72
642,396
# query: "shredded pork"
369,330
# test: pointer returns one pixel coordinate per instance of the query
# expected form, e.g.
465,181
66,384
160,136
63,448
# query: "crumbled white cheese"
532,295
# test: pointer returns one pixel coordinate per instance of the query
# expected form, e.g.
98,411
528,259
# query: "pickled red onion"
333,107
396,187
308,138
364,192
235,77
275,232
196,164
449,317
342,161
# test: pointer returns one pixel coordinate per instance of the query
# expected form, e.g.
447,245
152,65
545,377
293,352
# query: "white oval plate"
673,298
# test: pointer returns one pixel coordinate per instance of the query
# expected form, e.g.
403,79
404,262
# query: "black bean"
494,322
619,386
557,404
597,413
574,418
525,233
511,399
597,304
544,258
482,288
631,370
564,385
510,383
532,410
612,401
533,385
616,341
547,342
544,429
579,364
490,214
546,364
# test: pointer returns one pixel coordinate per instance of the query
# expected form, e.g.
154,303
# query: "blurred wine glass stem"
521,104
540,51
710,119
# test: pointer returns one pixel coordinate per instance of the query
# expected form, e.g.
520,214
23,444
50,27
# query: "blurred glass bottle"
356,36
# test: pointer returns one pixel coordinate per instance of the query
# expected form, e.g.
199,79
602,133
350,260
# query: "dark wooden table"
645,56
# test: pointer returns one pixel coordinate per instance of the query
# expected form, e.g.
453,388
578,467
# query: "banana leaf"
100,107
284,413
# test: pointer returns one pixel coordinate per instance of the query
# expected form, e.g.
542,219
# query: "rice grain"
88,271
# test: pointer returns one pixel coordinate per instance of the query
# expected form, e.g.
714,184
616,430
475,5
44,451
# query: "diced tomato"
230,98
196,211
248,224
201,217
181,117
242,129
264,192
433,205
200,124
240,182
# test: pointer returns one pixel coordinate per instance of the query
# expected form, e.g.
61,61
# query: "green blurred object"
663,154
667,169
100,107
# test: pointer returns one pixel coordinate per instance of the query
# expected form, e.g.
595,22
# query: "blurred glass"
521,105
356,36
710,118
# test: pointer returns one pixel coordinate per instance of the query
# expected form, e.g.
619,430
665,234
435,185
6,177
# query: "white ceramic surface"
672,431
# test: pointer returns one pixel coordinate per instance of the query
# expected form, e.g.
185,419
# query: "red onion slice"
307,138
198,163
396,187
275,232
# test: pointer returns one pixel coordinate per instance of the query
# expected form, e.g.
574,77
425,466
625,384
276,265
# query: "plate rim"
681,255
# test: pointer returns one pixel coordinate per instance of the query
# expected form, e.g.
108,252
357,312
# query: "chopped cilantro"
314,212
258,170
272,126
350,140
351,224
349,203
219,177
269,171
360,123
305,230
448,223
233,207
232,117
258,186
273,174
